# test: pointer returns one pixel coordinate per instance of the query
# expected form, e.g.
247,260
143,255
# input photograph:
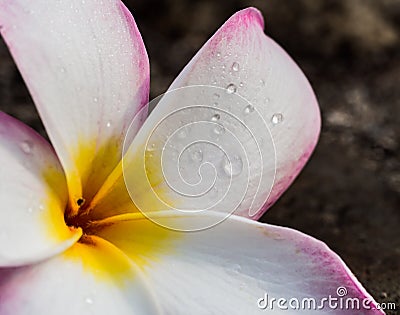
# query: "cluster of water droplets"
211,148
231,88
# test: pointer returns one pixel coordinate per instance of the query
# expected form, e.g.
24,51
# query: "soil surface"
349,193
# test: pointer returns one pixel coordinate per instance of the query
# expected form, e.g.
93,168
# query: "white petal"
226,269
33,197
67,285
232,132
87,69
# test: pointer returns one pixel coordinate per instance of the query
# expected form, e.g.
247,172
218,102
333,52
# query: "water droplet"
218,54
108,124
241,84
197,155
216,117
215,104
235,66
248,109
216,96
219,129
151,147
233,166
89,300
26,147
95,99
231,88
277,118
262,82
80,202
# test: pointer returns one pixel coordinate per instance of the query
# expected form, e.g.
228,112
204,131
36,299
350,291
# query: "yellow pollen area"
115,233
53,206
102,259
142,174
93,163
139,238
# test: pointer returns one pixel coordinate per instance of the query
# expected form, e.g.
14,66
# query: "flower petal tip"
248,17
329,262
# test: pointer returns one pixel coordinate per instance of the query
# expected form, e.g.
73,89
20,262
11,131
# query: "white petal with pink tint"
226,269
33,196
252,103
87,70
64,285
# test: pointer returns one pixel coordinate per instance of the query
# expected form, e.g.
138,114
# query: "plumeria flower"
72,241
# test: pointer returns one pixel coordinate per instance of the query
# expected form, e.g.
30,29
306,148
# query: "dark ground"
349,193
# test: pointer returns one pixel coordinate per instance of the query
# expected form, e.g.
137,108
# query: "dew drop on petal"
95,99
219,129
89,300
216,117
26,147
80,202
151,147
277,118
233,166
248,109
231,88
108,124
235,67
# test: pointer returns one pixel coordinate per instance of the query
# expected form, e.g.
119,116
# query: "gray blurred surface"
349,193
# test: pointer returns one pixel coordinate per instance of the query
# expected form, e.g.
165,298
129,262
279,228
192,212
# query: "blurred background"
349,193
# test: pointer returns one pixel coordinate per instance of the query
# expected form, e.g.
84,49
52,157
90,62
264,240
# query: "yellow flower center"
114,232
